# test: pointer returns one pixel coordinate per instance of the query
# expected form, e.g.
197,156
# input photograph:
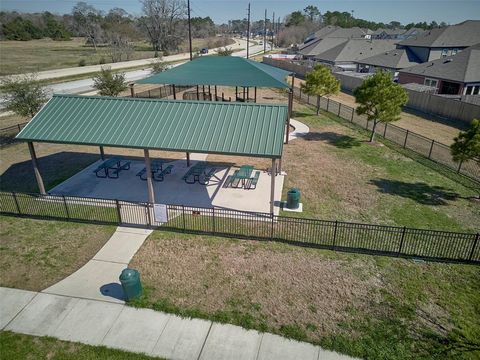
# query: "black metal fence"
161,91
333,235
7,135
420,144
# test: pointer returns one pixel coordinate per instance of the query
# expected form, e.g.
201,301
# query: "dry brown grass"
35,254
281,285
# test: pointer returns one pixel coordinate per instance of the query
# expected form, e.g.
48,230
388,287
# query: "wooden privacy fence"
429,148
332,235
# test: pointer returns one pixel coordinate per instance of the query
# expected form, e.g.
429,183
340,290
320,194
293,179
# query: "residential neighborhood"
196,179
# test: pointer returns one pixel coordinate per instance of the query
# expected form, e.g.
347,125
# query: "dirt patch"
266,281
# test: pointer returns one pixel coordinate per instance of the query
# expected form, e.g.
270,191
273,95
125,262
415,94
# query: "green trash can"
130,280
293,198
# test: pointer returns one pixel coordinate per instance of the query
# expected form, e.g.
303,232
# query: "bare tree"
86,20
160,22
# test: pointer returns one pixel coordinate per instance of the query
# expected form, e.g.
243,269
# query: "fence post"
183,217
66,207
366,126
149,216
401,241
431,148
271,230
385,131
459,166
213,221
353,112
474,246
16,202
19,127
335,234
328,103
406,137
118,211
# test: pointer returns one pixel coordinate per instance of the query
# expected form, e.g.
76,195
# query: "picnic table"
244,174
114,164
198,170
157,169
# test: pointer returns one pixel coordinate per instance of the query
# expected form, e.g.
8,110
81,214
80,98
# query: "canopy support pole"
198,95
151,194
174,93
248,93
280,166
38,176
290,107
132,90
102,153
244,94
188,159
215,92
272,186
255,94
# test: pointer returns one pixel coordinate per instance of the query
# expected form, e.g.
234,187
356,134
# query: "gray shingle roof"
393,59
331,31
463,67
356,49
464,34
320,46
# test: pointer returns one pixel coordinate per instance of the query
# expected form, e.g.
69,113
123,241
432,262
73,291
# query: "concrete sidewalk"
145,331
98,279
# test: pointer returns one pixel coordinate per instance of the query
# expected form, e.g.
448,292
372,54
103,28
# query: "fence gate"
133,214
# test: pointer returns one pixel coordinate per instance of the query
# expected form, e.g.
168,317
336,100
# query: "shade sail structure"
222,70
189,126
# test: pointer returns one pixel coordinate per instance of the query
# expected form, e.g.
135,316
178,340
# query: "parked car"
204,51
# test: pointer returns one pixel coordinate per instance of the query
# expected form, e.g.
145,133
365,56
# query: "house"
393,61
441,43
453,75
347,54
387,34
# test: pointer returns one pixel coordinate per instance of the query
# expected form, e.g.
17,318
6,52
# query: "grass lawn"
343,177
35,254
367,306
25,347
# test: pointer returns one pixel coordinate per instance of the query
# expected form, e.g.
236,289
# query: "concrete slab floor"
173,190
12,302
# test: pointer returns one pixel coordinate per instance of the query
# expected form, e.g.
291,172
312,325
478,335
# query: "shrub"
82,62
102,61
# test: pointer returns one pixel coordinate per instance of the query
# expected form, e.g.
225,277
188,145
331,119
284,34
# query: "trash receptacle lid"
128,274
294,190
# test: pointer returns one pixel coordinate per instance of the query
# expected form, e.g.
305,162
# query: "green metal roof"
193,126
222,70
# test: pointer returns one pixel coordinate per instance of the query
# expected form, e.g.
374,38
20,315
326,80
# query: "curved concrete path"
300,129
155,333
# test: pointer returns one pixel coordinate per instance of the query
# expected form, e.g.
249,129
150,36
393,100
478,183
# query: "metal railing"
7,135
429,148
333,235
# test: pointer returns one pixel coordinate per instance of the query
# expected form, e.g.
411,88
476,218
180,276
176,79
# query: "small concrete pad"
275,347
121,247
12,301
182,339
136,330
42,315
97,280
88,321
285,208
231,342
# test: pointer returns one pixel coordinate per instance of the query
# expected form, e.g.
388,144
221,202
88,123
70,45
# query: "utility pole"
189,31
273,29
248,31
265,33
278,30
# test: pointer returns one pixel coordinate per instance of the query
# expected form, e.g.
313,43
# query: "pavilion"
229,71
226,128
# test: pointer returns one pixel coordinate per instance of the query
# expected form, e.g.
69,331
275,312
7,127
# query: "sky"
405,11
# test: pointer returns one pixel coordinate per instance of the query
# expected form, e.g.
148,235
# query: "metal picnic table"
244,173
114,163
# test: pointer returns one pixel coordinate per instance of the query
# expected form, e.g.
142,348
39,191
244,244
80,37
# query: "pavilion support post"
272,186
151,194
280,166
209,93
290,107
248,93
255,94
236,93
132,89
188,159
102,153
174,93
244,94
38,176
215,92
198,95
203,92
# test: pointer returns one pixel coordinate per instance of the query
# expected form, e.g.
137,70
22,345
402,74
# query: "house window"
454,51
444,52
472,90
431,82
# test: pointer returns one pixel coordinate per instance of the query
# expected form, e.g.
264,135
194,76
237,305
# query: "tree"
21,29
109,84
158,66
466,146
54,29
380,99
160,22
320,82
23,95
86,21
295,18
312,12
225,52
